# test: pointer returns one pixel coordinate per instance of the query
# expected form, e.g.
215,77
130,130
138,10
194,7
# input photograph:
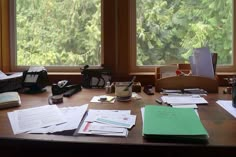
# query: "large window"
168,30
56,33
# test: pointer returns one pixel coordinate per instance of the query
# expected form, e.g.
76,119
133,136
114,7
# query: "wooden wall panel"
4,36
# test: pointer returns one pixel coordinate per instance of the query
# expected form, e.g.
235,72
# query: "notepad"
172,123
9,99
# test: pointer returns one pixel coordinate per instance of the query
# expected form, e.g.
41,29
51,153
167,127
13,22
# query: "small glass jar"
123,91
108,88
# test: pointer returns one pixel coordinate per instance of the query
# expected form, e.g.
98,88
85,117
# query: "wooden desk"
220,125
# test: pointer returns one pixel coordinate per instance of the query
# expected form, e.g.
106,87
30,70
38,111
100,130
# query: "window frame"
56,68
151,69
119,50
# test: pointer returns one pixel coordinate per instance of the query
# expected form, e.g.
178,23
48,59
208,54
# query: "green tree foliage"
168,30
68,32
58,32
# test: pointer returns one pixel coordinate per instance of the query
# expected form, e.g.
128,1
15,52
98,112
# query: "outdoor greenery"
58,32
68,32
169,30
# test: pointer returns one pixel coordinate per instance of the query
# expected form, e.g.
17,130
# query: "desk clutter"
199,73
107,123
51,119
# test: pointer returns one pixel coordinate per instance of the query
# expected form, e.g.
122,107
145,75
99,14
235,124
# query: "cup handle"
50,100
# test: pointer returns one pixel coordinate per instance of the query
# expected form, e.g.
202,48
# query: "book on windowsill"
173,124
9,99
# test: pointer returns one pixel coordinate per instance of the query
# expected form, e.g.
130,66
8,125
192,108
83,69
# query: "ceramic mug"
55,99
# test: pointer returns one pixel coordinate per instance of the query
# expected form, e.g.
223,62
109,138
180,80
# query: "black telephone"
64,87
35,79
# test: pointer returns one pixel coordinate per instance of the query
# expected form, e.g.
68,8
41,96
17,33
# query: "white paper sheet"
33,118
203,62
109,99
183,100
87,128
227,105
184,106
92,114
125,121
73,116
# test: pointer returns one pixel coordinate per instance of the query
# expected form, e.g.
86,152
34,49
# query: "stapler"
65,88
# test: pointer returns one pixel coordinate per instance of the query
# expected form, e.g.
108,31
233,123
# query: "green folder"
172,123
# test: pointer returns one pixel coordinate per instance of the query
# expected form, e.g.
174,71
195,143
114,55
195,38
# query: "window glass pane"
58,32
168,30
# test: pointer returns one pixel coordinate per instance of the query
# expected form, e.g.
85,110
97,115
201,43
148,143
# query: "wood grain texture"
220,125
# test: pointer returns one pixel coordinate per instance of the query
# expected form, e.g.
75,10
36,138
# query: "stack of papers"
172,123
46,119
107,123
187,91
73,116
189,101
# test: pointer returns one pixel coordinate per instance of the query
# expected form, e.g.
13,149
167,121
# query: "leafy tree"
58,32
68,32
167,30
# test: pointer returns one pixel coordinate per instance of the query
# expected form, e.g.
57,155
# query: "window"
56,33
168,31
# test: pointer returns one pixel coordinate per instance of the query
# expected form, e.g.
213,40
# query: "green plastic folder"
172,123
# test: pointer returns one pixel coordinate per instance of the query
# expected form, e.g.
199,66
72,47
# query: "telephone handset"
64,87
35,79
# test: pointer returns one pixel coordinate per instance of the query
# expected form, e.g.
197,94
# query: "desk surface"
220,125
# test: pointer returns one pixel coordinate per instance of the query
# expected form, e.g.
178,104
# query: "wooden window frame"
118,44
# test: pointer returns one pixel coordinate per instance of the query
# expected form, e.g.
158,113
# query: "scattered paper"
33,118
227,105
184,106
184,100
97,99
102,129
73,116
107,123
136,96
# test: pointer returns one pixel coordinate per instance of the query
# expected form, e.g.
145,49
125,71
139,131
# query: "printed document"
73,117
28,119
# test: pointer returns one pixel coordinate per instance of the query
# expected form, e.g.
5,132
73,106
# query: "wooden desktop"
220,125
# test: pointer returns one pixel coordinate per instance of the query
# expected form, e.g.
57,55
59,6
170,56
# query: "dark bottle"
234,94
